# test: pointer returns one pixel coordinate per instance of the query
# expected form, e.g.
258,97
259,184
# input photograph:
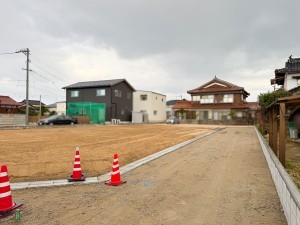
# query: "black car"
58,119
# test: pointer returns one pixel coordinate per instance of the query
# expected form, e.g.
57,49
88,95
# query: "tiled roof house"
8,105
289,76
217,101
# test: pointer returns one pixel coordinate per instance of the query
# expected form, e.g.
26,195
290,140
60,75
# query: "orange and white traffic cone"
115,179
6,204
77,175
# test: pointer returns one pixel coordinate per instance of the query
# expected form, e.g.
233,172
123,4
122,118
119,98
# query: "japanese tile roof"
53,105
6,100
217,85
172,102
99,83
291,66
32,102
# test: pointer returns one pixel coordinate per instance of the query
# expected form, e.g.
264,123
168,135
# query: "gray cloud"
187,42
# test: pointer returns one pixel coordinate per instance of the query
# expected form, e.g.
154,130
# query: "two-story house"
216,101
151,104
289,76
289,79
102,100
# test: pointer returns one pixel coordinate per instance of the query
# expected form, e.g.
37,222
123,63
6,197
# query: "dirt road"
221,179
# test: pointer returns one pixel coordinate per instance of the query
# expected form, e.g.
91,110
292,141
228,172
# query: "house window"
118,93
122,111
128,95
195,98
207,99
228,98
143,97
239,114
162,100
74,94
100,92
155,112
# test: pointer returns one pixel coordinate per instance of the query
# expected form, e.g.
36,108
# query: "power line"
51,69
8,53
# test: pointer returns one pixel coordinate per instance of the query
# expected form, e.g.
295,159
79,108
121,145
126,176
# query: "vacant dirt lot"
46,153
220,179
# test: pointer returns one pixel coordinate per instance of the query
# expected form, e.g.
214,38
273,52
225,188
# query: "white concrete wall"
288,193
61,108
12,119
290,82
155,102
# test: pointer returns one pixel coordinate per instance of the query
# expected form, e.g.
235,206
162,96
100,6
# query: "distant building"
289,76
151,104
170,104
101,100
33,104
289,79
217,101
8,105
59,108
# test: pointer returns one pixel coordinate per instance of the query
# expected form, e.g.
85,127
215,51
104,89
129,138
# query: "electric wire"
7,53
48,67
48,72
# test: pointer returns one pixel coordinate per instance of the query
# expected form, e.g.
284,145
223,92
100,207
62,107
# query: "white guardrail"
288,193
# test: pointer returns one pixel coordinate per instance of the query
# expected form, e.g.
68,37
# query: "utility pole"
40,114
26,52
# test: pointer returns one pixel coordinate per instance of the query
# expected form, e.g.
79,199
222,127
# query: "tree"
266,99
181,112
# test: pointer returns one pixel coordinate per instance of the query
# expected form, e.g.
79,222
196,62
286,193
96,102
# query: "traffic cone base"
77,175
115,179
82,178
6,203
109,183
10,211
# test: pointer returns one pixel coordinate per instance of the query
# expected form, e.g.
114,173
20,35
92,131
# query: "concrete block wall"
12,119
288,193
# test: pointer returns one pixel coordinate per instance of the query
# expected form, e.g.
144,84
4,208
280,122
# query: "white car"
173,120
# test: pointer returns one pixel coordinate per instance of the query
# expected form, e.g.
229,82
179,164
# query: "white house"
151,104
59,108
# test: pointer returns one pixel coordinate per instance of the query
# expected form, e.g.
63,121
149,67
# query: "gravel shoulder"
221,179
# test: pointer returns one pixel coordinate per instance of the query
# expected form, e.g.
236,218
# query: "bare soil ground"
220,179
46,153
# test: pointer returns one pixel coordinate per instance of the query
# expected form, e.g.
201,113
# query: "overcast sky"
165,46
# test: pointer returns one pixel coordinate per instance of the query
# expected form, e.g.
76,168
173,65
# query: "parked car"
58,119
173,120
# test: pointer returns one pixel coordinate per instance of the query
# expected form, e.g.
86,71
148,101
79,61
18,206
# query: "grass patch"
293,169
289,165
